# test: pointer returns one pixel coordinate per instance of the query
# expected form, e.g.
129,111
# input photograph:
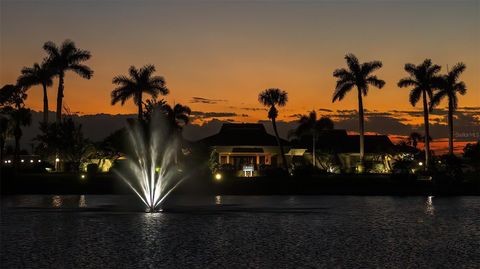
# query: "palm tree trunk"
362,129
16,152
60,98
427,131
313,149
284,160
45,104
450,127
140,111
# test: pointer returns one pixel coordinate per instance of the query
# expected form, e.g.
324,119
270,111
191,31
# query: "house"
337,150
245,148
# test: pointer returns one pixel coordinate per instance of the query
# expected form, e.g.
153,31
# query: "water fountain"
151,170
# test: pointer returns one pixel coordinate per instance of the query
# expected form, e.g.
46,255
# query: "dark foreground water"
241,232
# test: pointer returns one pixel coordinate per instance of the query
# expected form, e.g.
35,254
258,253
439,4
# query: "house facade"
245,148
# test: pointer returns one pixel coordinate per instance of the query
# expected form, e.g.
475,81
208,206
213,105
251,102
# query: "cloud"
203,100
201,114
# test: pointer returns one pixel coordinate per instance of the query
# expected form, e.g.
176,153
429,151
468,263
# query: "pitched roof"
339,141
242,134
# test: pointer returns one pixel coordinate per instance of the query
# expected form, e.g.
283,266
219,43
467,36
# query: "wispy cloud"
204,100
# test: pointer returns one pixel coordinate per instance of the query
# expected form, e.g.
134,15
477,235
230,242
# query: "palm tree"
423,78
272,98
414,138
139,81
449,86
65,58
38,74
310,125
177,116
357,75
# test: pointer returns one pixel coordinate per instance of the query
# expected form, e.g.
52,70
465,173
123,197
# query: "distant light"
6,161
157,169
57,160
39,161
31,161
9,161
218,176
420,163
22,161
82,176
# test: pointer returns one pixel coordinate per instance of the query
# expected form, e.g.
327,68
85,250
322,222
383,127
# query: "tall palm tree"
38,74
65,58
274,98
178,116
449,86
423,80
357,75
309,125
139,81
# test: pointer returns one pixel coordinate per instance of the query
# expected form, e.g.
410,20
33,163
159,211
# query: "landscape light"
420,163
22,161
157,169
218,176
39,161
9,161
82,176
57,160
31,161
6,161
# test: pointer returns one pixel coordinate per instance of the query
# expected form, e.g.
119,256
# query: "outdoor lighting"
22,161
39,161
157,169
6,161
218,176
31,161
9,161
57,160
83,176
420,163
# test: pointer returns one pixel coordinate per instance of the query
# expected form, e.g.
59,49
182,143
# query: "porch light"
218,176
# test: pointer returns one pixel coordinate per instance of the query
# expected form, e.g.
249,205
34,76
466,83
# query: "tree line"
424,80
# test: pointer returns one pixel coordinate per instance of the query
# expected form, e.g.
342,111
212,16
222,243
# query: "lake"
103,231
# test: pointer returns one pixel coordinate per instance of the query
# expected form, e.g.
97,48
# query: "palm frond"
341,91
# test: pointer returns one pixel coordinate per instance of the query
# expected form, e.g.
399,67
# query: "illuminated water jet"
151,170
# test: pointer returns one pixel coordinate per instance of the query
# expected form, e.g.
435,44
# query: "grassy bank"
346,184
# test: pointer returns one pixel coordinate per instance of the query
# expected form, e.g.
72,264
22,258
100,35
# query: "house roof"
242,134
339,141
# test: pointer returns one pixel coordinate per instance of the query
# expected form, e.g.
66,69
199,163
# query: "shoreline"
345,184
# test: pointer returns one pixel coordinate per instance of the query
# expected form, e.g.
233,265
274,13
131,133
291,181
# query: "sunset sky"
216,56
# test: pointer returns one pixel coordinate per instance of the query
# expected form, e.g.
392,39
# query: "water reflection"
57,201
82,202
218,200
429,208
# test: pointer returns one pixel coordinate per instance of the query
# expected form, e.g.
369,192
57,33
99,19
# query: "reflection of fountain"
429,208
151,171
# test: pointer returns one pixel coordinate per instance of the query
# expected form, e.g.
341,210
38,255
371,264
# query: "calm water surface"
241,232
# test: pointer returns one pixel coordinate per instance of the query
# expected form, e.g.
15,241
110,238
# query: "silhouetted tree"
65,58
309,125
274,98
139,81
12,103
65,141
357,75
472,152
414,138
449,86
5,131
38,74
423,79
